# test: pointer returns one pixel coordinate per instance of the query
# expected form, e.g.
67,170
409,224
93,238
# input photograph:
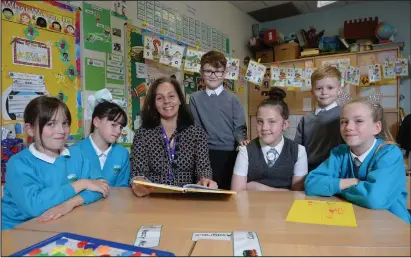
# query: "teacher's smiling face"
167,100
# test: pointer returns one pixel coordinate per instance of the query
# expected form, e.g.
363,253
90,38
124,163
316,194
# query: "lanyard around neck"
170,152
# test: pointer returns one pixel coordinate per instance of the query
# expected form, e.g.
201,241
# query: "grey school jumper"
222,117
319,134
278,176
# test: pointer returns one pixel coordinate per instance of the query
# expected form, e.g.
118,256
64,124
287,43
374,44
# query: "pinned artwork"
62,45
353,75
255,72
172,54
119,9
31,53
374,73
307,78
71,72
388,69
65,58
31,32
152,47
61,96
233,68
290,77
192,62
401,67
61,79
298,77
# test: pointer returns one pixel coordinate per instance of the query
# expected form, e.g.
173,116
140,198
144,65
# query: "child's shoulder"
23,156
119,149
196,94
75,151
387,149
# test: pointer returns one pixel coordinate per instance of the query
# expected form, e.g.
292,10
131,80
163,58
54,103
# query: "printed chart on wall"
159,18
40,56
97,28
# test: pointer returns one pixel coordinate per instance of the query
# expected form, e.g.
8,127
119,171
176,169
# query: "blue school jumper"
382,179
116,169
35,183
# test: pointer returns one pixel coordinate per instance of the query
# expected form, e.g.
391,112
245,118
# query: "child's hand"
56,212
208,182
99,185
243,143
141,190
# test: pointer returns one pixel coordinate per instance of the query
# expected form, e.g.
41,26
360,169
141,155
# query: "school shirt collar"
217,91
364,155
45,157
332,105
279,147
97,149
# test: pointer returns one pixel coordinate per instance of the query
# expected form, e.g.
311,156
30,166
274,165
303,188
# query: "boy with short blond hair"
319,131
220,114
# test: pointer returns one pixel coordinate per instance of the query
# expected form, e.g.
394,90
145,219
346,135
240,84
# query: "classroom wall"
396,13
219,14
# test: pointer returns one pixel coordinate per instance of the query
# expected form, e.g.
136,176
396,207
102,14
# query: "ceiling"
264,11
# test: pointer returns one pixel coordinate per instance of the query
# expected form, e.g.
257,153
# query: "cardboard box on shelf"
288,51
267,56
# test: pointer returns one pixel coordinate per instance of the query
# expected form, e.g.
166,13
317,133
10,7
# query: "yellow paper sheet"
322,212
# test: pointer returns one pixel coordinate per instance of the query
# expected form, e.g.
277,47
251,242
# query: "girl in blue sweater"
369,169
100,148
48,180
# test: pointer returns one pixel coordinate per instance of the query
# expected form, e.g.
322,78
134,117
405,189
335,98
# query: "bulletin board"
40,56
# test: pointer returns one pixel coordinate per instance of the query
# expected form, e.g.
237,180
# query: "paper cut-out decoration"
119,9
374,72
255,72
61,79
152,47
401,67
65,58
388,69
233,69
192,62
31,32
353,75
172,54
71,72
62,45
61,96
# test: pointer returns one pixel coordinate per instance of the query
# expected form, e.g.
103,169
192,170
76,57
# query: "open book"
189,188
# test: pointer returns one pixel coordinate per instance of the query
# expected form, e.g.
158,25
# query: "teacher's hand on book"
140,190
208,182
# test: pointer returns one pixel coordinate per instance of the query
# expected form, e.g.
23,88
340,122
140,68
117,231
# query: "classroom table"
207,247
18,239
121,214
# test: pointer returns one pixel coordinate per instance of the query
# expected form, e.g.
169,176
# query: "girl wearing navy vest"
369,170
271,162
100,148
47,180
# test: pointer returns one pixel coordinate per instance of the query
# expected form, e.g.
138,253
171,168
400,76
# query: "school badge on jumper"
116,168
72,177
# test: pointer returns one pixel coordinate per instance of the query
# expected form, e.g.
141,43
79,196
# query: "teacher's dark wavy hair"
151,117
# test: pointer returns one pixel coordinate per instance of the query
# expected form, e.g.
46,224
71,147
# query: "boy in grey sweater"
319,131
221,115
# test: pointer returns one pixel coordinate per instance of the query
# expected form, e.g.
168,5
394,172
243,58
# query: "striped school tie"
357,164
272,156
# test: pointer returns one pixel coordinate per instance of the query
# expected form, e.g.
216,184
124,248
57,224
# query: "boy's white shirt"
241,163
217,90
45,157
364,155
332,105
102,155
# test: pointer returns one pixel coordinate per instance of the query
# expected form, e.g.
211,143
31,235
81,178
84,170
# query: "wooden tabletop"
18,239
206,247
119,217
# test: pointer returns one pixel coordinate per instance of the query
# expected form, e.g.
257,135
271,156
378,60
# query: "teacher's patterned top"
150,158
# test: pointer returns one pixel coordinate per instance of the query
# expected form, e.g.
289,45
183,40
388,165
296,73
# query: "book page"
160,188
197,186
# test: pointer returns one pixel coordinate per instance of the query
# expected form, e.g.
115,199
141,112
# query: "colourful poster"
94,74
255,73
97,28
172,53
233,69
190,85
192,62
119,9
31,53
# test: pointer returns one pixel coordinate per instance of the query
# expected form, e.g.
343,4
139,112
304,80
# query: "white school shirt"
241,163
102,155
45,157
364,155
217,90
332,105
